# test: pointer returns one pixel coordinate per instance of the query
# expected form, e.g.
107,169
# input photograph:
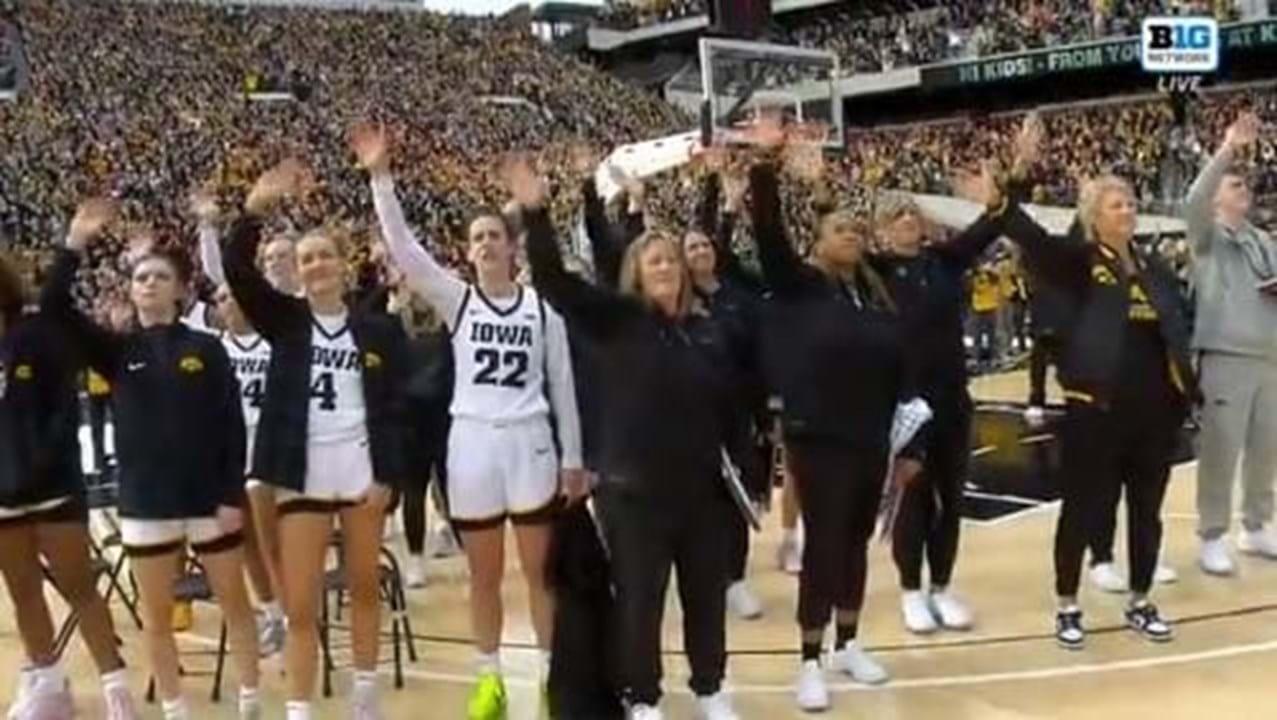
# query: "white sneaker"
862,668
26,680
953,613
790,555
917,613
1106,577
414,572
1035,416
716,707
646,712
443,543
810,689
1260,543
1165,575
1214,557
119,704
742,602
271,634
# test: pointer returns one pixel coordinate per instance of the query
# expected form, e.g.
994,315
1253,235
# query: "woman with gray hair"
1128,381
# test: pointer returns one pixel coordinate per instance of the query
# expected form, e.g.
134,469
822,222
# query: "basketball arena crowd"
316,257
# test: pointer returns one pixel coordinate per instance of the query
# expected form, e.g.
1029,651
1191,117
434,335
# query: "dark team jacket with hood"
39,413
1095,291
179,427
279,456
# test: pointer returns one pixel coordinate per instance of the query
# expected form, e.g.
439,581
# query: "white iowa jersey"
337,410
499,349
250,358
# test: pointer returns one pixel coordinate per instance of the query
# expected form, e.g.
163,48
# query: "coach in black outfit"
669,414
1128,380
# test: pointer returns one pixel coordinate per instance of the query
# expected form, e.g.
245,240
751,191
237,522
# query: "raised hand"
290,178
141,240
634,188
1243,132
204,205
1028,143
805,158
90,218
371,146
767,133
979,186
521,179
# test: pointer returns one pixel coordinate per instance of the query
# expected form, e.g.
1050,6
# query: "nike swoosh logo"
134,367
542,451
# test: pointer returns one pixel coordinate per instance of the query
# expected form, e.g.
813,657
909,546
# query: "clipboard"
736,488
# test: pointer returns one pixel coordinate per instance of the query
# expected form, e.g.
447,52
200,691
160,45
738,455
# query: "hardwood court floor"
1221,666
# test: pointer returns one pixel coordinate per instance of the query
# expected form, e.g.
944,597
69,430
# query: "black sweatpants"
429,452
841,489
648,536
930,517
1103,452
1046,351
99,405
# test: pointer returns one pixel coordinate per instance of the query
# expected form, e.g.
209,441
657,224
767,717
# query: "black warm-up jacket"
179,427
279,455
1094,289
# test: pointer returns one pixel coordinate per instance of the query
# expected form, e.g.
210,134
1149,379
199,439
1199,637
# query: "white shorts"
18,512
335,472
500,470
154,537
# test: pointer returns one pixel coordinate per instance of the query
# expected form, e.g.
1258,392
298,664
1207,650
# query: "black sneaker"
1068,629
1145,620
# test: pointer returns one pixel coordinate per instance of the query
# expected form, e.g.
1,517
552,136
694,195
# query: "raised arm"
783,271
1199,204
268,310
596,310
102,349
424,275
1064,263
607,242
204,206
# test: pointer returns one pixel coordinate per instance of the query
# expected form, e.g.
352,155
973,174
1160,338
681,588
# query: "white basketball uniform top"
250,358
197,318
499,347
510,353
337,414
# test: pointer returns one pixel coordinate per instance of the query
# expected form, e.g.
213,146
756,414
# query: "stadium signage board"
1090,56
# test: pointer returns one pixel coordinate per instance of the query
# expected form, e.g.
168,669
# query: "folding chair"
391,592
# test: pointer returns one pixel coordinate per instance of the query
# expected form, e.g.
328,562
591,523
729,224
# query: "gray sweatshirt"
1232,315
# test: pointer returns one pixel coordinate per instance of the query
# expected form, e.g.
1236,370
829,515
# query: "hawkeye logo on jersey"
25,373
372,360
1179,45
191,364
512,335
1103,276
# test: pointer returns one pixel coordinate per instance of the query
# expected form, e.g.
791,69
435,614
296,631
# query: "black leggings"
98,406
1102,452
431,453
930,518
840,489
648,537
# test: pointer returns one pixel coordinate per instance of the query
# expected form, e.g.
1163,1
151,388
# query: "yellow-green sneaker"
488,700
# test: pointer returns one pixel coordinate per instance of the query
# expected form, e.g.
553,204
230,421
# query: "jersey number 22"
490,363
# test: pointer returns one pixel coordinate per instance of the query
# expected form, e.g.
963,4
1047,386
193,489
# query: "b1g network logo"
1179,45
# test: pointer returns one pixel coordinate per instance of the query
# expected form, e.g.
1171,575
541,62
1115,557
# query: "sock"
115,679
811,651
365,685
272,610
248,698
791,536
175,709
48,679
844,634
489,663
297,710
